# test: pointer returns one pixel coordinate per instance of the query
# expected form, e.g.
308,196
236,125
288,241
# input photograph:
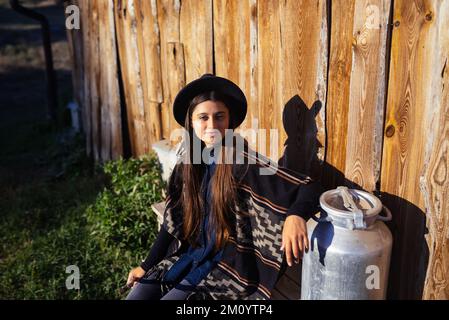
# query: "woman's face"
208,119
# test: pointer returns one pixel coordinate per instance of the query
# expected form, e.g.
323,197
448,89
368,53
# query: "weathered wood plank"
168,15
95,74
104,38
85,25
303,82
196,36
158,209
124,68
367,93
413,81
289,285
235,48
150,47
337,107
131,67
111,128
291,67
113,87
148,44
435,174
276,295
269,102
176,66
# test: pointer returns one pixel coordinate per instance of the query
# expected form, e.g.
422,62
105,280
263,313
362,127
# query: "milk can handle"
388,217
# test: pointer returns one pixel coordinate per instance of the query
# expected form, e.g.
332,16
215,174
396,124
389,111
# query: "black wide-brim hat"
209,82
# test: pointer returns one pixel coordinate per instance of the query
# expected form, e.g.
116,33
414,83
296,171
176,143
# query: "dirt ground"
24,132
22,64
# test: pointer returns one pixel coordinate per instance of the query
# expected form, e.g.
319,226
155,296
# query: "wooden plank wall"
357,88
162,45
434,180
132,65
415,161
262,49
96,79
356,93
110,112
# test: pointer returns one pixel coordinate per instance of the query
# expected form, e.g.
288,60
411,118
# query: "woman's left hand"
294,238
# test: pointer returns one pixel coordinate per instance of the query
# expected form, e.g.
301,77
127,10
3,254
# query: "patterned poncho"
252,257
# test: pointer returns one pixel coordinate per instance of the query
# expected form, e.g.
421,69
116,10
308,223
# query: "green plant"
60,222
122,215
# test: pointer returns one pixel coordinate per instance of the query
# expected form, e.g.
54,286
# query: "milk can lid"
343,203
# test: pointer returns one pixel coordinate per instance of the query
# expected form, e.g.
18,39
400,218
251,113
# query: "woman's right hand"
134,275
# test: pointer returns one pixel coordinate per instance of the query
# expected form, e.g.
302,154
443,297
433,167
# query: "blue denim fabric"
196,263
147,290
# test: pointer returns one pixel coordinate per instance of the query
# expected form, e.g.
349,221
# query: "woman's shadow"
410,253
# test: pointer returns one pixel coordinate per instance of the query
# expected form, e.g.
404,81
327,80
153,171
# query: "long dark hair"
223,197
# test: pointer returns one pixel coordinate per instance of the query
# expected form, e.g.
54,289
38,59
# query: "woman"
228,228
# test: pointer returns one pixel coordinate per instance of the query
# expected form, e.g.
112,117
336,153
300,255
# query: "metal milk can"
349,248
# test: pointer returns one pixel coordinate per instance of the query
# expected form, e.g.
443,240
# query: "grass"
56,208
68,213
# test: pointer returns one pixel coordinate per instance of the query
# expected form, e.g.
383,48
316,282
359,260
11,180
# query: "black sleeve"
158,250
307,200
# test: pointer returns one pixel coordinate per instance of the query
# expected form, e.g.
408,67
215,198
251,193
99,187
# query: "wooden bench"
288,286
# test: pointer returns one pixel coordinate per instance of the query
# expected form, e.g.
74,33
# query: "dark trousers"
147,289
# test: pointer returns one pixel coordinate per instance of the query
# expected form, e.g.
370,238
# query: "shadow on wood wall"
410,252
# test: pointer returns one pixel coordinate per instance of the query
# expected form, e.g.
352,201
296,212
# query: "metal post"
50,72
